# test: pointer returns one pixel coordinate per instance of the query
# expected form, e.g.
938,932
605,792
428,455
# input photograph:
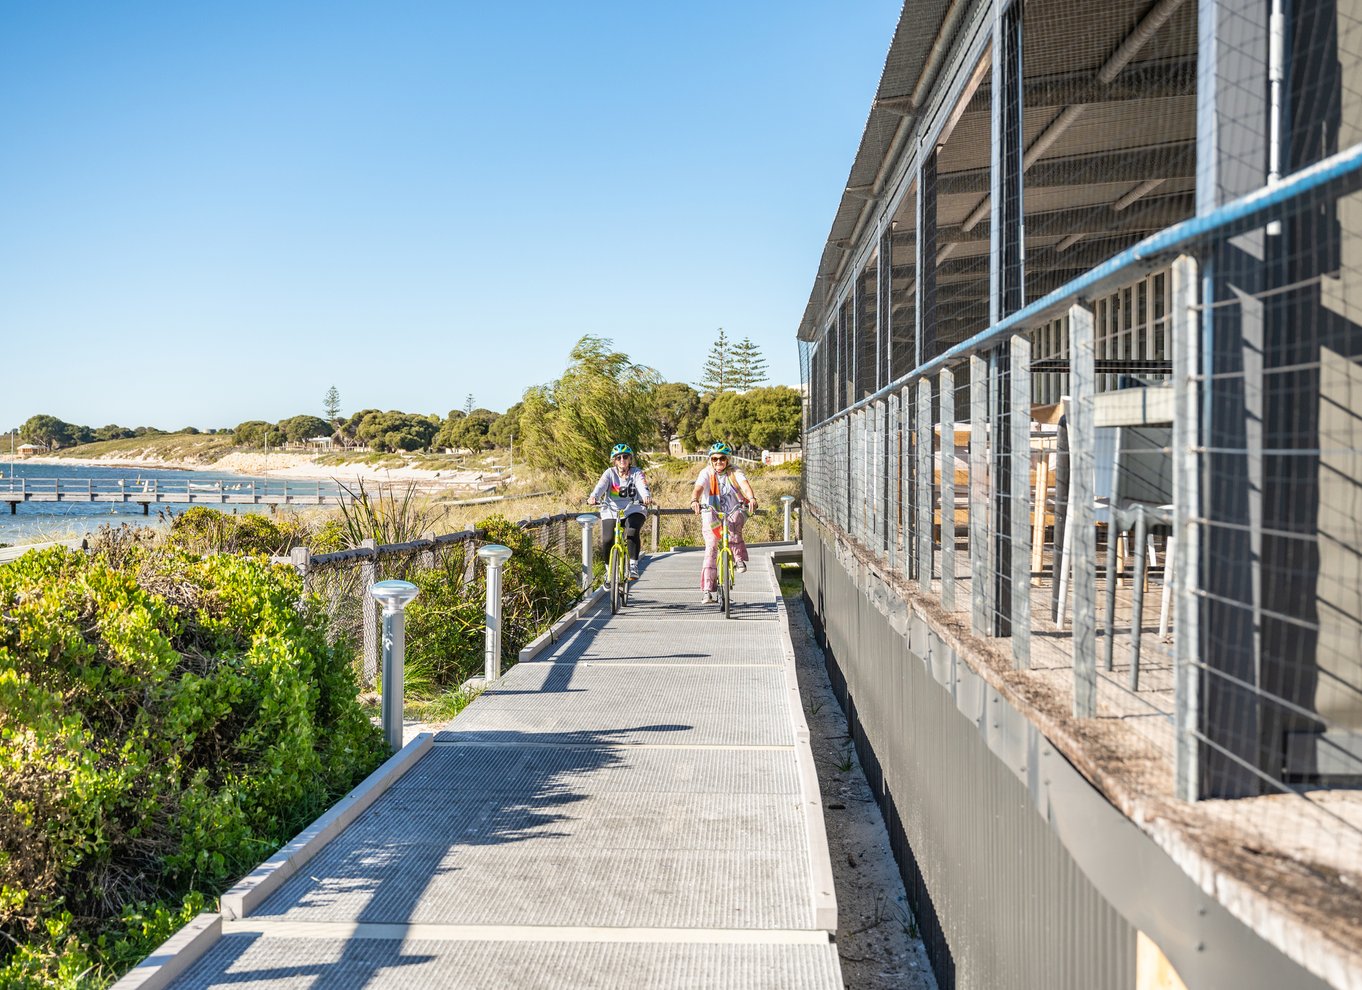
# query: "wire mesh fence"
1118,440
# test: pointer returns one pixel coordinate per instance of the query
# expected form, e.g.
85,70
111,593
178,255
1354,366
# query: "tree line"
603,397
48,431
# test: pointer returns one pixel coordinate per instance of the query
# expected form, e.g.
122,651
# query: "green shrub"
444,624
164,726
203,530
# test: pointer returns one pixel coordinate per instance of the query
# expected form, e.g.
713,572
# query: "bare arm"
745,487
699,490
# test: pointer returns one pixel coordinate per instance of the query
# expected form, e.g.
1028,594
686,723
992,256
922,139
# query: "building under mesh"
1081,435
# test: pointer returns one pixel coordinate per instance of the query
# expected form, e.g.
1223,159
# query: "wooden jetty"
206,491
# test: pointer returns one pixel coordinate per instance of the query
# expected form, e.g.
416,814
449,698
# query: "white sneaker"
741,567
707,598
633,570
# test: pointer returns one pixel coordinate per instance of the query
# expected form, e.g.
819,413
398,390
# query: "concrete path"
634,808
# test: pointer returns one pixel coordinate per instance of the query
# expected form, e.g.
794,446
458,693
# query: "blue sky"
211,212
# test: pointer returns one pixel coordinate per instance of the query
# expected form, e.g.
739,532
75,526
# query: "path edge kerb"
822,888
190,943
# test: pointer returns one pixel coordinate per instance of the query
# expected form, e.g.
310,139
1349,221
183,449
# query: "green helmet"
621,448
720,448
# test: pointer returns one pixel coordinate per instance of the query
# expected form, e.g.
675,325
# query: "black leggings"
633,525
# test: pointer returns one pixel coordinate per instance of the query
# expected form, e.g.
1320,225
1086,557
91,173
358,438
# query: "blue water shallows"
39,521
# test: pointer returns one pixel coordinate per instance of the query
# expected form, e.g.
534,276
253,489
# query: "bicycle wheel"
624,579
726,583
614,577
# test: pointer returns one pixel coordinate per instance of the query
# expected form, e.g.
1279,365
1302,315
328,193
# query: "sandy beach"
300,466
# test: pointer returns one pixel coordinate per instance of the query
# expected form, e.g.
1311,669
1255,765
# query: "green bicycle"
727,563
617,567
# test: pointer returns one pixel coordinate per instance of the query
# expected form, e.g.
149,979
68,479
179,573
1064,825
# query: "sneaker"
633,570
740,567
707,598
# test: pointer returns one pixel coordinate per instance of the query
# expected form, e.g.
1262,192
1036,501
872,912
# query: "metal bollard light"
789,502
587,520
394,596
495,555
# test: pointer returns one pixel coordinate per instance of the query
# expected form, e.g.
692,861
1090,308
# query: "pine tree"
468,406
331,404
717,373
747,368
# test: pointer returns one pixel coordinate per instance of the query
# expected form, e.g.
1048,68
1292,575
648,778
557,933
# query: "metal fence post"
925,484
394,596
1019,399
946,404
1184,333
302,562
980,561
494,555
586,520
368,572
1079,530
787,501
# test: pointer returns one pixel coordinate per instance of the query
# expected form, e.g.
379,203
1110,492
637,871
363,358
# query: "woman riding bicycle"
719,486
622,489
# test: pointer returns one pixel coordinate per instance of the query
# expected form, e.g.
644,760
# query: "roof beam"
1164,161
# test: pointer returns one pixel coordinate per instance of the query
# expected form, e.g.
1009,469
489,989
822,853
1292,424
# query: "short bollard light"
587,520
495,555
394,596
789,502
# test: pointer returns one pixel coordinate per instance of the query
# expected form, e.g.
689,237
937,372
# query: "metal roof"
1109,127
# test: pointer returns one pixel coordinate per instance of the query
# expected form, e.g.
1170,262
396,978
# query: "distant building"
29,449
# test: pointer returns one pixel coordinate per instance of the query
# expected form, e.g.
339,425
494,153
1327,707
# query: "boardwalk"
635,808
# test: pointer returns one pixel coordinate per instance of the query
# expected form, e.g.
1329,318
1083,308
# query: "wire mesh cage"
1091,388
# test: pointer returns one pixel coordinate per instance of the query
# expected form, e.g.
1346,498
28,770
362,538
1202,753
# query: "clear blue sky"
211,212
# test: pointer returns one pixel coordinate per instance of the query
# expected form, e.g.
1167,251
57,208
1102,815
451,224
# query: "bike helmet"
720,448
621,448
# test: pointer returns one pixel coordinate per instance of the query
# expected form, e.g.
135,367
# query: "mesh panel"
1175,553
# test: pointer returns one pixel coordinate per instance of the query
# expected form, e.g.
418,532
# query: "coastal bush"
200,529
166,722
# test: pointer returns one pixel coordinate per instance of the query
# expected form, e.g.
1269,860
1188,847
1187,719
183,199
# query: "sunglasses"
624,457
718,460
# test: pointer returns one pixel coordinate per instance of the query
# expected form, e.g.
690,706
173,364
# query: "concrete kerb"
269,875
555,632
177,953
823,889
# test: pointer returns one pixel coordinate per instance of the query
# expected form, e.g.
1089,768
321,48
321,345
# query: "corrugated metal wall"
999,900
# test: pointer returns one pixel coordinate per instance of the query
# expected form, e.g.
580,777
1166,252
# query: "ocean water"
36,522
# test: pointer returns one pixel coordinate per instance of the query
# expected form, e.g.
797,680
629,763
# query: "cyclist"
621,489
727,489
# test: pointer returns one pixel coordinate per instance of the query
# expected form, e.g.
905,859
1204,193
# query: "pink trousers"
709,572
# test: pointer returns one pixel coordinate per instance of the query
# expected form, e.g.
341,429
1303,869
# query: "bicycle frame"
617,565
618,568
725,561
